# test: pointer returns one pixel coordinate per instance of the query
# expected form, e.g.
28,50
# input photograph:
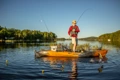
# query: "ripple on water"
23,65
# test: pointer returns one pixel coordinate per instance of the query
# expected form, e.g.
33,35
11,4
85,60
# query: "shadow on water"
70,65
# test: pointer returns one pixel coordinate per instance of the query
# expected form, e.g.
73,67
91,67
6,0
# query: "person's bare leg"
74,47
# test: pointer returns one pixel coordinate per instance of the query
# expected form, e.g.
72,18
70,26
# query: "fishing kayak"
49,53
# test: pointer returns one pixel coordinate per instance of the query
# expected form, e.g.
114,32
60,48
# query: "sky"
100,16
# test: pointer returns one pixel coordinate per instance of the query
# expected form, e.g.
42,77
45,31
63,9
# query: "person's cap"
74,21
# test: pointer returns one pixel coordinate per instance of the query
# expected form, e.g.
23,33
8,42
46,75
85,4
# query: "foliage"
85,46
11,33
115,36
62,39
89,38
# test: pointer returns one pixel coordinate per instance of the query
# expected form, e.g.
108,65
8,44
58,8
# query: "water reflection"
117,49
113,43
60,63
23,66
100,69
16,45
23,45
74,72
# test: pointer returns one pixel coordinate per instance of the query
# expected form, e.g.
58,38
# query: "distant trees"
92,38
61,39
11,33
115,36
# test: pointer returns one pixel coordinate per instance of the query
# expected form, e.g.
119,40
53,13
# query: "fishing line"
44,23
82,14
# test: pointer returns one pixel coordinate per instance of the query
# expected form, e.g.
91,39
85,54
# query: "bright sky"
103,16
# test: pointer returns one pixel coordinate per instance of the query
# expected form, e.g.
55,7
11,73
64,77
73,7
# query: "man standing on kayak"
73,33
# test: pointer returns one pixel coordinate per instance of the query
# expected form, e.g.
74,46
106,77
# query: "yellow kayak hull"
49,53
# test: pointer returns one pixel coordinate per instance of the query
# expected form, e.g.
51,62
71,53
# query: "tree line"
92,38
26,34
115,36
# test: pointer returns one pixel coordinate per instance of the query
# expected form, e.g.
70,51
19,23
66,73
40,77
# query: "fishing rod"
82,14
44,23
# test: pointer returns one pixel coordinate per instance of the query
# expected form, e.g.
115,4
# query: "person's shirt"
73,31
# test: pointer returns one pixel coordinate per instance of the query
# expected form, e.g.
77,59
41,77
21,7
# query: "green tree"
115,36
4,33
26,34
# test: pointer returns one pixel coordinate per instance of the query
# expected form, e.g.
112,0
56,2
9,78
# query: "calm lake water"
17,61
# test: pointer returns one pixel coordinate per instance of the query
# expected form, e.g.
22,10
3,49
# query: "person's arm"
69,30
77,30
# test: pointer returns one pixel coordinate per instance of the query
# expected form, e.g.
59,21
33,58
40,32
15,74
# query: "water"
17,61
